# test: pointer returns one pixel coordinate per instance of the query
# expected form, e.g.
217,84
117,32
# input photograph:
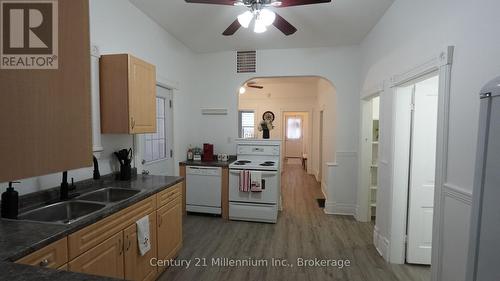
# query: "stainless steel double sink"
68,212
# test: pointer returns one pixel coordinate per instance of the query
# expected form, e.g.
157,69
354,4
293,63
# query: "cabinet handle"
44,263
159,221
128,244
132,121
120,244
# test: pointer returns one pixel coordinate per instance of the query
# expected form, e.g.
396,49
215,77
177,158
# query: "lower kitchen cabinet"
110,247
137,267
53,256
169,229
105,259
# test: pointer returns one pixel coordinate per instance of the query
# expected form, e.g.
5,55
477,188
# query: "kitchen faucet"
64,192
97,175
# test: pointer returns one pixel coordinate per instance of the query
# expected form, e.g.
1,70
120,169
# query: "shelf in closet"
373,205
373,187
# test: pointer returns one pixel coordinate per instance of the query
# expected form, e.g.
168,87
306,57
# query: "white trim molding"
343,209
457,193
381,243
441,63
341,184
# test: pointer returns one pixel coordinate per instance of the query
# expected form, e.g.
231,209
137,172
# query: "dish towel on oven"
244,181
256,181
143,238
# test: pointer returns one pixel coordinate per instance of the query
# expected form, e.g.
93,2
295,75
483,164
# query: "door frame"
441,64
285,127
310,123
138,139
366,151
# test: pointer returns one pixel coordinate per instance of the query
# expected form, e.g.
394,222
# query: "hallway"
302,231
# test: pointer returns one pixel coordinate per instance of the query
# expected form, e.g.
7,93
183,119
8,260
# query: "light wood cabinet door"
142,96
94,234
54,255
45,114
169,230
128,95
106,259
137,267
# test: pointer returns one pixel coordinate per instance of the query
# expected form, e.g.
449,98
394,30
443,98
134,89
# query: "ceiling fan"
259,10
253,84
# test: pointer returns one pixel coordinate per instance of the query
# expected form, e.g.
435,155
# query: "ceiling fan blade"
215,2
284,26
289,3
256,87
232,28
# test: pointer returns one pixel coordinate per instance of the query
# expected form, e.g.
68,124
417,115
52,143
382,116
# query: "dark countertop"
214,163
20,238
18,272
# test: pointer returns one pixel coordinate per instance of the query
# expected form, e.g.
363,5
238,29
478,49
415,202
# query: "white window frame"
166,156
240,121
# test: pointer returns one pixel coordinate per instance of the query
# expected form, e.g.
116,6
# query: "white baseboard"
323,190
381,243
333,208
316,175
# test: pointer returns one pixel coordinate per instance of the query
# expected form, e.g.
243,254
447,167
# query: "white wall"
411,32
116,26
218,83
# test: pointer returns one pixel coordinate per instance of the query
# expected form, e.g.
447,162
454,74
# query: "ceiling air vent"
245,61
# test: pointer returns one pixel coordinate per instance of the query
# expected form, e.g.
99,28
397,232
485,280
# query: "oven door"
269,194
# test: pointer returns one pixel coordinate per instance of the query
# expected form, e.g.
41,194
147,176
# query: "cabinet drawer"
87,238
54,255
169,194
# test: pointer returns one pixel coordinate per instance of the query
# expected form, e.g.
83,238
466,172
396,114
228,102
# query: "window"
247,124
155,144
294,128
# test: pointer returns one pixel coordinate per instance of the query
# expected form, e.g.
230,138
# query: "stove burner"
267,164
242,162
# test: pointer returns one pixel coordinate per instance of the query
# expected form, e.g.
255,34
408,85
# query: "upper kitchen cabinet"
128,95
45,113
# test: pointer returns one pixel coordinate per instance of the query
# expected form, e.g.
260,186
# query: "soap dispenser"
10,202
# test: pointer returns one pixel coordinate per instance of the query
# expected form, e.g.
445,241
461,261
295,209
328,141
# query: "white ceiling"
200,26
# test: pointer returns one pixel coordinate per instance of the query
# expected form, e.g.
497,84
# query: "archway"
311,97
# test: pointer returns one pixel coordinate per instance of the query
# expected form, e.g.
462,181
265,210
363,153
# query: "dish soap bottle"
10,202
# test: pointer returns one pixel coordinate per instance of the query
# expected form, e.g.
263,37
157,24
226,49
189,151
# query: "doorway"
415,162
294,134
320,147
369,161
155,150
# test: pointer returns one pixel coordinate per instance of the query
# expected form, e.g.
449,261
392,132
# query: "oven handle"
263,173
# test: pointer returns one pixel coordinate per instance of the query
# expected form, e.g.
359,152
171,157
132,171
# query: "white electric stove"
262,156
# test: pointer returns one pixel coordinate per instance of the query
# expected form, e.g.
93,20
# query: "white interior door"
294,140
155,151
422,172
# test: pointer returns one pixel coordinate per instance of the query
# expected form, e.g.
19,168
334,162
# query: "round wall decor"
268,116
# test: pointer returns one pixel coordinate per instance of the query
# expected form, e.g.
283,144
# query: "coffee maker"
208,152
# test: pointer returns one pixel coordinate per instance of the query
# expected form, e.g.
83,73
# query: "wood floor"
302,231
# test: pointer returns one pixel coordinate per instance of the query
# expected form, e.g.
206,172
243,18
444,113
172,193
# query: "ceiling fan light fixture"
259,27
267,16
245,19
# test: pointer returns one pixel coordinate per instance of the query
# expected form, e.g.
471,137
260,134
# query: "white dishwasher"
203,189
